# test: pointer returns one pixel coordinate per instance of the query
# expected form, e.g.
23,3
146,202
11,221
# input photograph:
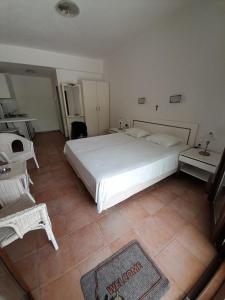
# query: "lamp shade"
209,137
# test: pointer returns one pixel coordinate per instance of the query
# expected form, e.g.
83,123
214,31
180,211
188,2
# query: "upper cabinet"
6,91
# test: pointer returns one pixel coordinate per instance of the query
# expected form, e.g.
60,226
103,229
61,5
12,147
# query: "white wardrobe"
95,95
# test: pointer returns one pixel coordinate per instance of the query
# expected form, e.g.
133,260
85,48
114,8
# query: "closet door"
90,106
103,106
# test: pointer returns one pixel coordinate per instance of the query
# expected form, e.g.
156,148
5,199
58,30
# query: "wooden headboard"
184,130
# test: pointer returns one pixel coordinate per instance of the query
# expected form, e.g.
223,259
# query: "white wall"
184,55
35,97
73,75
36,57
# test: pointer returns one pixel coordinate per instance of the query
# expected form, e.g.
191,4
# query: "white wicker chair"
6,153
22,216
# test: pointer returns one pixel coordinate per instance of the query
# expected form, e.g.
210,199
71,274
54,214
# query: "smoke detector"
67,8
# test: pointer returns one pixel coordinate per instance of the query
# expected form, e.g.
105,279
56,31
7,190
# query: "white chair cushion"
22,203
7,235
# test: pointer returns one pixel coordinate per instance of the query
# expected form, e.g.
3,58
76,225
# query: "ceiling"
20,69
101,28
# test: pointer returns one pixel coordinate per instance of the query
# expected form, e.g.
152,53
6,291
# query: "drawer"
198,164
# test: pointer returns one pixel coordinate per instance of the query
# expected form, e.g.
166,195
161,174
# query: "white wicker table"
15,182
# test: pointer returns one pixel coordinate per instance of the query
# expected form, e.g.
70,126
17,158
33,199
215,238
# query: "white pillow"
165,140
137,132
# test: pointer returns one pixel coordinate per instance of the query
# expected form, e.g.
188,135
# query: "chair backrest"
6,140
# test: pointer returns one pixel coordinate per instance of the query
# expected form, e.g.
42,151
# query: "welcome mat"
129,274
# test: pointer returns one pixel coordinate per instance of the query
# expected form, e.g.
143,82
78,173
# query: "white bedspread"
115,166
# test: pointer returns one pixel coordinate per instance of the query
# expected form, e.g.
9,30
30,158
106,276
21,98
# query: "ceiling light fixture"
67,8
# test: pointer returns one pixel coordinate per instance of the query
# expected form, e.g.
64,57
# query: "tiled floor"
170,220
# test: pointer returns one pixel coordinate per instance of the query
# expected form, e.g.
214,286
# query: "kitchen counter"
16,119
23,124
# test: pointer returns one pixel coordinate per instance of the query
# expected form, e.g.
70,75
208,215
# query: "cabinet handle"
99,108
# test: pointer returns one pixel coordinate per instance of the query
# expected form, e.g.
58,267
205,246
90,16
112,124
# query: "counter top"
17,119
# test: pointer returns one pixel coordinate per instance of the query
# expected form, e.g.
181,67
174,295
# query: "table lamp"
208,139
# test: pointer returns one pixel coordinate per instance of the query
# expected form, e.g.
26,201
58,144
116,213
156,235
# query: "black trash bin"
78,130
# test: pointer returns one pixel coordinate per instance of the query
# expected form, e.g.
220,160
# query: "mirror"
72,99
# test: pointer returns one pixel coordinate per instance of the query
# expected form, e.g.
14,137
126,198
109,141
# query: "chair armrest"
4,157
23,221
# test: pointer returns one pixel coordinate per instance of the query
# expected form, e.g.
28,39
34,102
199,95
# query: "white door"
89,91
103,106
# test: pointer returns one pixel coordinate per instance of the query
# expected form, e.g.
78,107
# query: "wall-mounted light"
141,100
175,98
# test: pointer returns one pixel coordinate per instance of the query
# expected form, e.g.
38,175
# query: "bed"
113,167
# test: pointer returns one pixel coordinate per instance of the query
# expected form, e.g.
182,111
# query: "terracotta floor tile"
152,204
22,247
113,226
203,222
46,196
199,202
177,187
186,209
67,204
133,212
95,259
154,234
28,269
54,207
78,218
36,294
192,239
164,194
58,166
53,263
171,220
195,195
181,264
92,209
67,287
85,241
174,292
155,217
59,225
124,240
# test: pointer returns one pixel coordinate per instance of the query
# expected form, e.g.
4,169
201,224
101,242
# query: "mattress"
113,167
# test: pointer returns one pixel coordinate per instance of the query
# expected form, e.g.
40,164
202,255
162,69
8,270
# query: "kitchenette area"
19,124
11,119
28,102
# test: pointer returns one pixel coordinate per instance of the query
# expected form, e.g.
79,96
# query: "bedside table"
197,165
115,130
